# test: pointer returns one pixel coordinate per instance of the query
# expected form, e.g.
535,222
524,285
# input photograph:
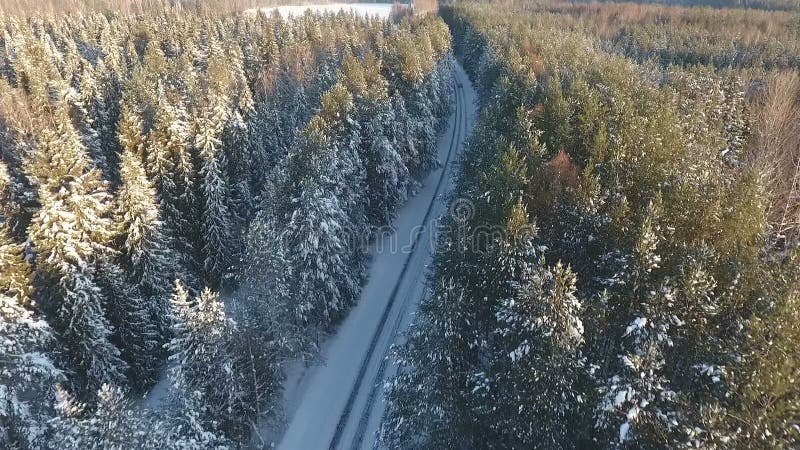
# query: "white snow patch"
623,431
637,324
620,398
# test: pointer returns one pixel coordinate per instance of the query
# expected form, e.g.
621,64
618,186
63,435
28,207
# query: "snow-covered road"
339,402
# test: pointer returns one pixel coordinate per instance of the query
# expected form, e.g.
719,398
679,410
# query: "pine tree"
5,188
767,393
71,233
315,233
15,270
266,269
106,109
16,199
84,110
170,137
129,132
639,403
112,425
235,142
215,218
158,157
267,280
402,134
27,373
339,167
318,256
146,246
202,361
538,363
424,400
136,323
266,148
388,179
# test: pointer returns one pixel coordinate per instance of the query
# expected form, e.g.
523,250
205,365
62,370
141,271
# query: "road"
338,404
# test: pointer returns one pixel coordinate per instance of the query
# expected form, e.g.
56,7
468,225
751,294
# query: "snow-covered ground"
382,10
339,403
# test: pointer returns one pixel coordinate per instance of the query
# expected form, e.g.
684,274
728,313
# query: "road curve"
341,402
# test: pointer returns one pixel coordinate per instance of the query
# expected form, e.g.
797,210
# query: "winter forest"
643,164
152,165
191,192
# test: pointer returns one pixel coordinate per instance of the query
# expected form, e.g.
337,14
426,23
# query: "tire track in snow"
343,418
376,381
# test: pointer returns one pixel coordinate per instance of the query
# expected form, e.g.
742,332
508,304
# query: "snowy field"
382,10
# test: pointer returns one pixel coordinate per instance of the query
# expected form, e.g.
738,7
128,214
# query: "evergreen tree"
388,179
71,233
84,110
318,255
402,134
267,281
110,426
175,186
146,246
202,372
114,423
158,156
538,367
27,373
315,234
235,141
135,320
215,218
16,198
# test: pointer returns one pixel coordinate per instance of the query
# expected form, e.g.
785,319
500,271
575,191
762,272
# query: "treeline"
724,38
136,152
635,295
27,8
768,5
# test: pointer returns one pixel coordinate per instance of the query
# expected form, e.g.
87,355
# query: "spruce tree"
136,323
215,221
202,362
175,186
315,233
111,425
388,178
71,234
84,110
538,367
27,373
16,199
423,401
158,156
146,247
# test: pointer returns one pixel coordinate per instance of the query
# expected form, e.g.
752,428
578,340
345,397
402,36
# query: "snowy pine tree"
538,366
84,110
317,225
27,373
202,371
146,247
175,188
215,219
136,323
110,426
388,178
71,233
